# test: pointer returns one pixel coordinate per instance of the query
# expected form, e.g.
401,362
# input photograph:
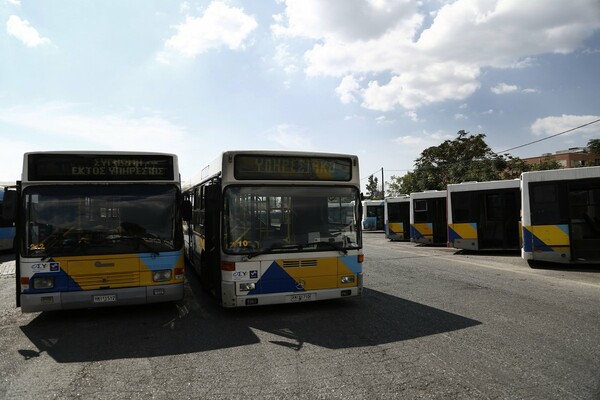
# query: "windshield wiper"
277,246
334,245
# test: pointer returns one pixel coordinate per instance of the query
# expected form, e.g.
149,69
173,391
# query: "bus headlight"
347,279
246,287
43,282
162,275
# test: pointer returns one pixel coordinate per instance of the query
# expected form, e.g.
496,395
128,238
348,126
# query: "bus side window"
198,210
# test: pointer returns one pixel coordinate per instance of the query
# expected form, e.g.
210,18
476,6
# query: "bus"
484,215
397,218
373,215
561,216
271,227
428,217
7,227
97,229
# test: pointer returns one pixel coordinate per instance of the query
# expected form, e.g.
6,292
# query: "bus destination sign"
273,167
100,167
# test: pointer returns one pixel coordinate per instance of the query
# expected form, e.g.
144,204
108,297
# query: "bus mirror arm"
186,210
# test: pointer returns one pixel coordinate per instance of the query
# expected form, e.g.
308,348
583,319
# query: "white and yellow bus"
484,215
397,218
428,224
561,215
97,229
276,227
373,215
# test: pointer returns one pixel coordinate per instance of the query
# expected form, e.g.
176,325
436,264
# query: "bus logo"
46,267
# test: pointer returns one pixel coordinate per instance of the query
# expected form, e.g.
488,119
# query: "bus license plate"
105,298
301,297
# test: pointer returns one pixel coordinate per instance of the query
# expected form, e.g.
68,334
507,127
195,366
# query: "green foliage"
546,164
372,191
466,158
594,148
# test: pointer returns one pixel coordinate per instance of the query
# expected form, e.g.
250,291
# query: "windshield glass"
274,219
108,219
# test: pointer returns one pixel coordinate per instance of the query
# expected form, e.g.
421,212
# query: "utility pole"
382,185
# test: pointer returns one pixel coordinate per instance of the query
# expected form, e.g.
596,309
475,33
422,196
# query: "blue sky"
377,78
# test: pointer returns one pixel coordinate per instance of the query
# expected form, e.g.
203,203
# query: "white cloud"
460,117
408,64
220,26
556,124
503,88
422,141
285,59
383,120
285,137
348,89
412,114
22,30
115,131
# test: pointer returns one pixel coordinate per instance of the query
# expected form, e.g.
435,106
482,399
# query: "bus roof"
428,194
561,174
487,185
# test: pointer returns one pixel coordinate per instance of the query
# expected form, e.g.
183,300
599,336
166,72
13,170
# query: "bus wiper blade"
276,246
334,245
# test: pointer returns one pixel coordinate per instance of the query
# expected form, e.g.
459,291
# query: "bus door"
439,220
584,215
500,221
210,265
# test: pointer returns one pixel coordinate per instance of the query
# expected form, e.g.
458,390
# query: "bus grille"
299,263
111,280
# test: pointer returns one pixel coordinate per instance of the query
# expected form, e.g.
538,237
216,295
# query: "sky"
382,79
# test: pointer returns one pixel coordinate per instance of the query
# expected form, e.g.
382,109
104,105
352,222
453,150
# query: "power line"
550,137
503,151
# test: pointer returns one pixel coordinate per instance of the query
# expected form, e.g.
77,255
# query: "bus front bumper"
33,302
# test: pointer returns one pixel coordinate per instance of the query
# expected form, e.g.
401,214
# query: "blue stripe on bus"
276,280
62,283
352,263
166,260
527,240
452,235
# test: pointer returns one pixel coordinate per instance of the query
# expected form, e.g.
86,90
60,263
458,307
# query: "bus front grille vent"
299,263
95,281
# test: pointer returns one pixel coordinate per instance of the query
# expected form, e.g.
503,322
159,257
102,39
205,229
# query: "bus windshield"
100,219
265,219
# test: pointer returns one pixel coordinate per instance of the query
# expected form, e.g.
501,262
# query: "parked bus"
397,218
266,227
373,215
97,229
484,215
428,217
561,215
7,227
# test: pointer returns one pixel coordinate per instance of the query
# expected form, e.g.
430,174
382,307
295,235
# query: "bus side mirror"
186,210
9,206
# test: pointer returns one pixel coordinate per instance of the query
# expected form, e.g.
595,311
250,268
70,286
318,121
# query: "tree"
466,158
392,186
546,164
372,192
594,147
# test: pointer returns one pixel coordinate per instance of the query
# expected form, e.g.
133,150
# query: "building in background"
571,158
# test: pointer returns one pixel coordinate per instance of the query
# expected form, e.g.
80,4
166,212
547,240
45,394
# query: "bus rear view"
98,229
